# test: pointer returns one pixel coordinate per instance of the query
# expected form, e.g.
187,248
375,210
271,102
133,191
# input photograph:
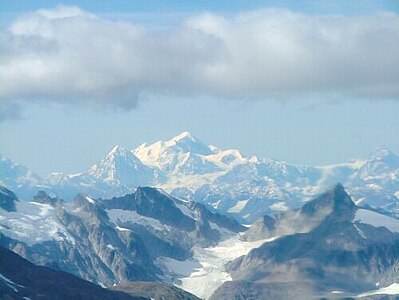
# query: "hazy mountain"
18,178
121,167
328,247
225,180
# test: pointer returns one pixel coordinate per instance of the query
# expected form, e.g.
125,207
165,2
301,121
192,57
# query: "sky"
307,82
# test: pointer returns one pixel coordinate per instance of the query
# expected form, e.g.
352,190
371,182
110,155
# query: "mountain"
227,181
183,154
117,173
111,241
330,246
18,178
7,199
121,167
20,279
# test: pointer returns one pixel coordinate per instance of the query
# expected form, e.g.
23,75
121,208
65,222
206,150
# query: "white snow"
10,283
392,289
90,200
377,220
118,216
122,229
238,207
110,247
33,223
361,233
279,206
203,274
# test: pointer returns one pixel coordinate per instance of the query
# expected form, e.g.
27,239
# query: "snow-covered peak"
14,175
120,166
185,135
186,142
167,154
380,163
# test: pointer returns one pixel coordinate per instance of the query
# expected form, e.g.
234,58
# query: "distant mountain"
18,178
121,167
183,154
20,279
328,248
224,180
111,241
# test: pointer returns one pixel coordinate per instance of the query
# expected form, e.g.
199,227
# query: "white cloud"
69,55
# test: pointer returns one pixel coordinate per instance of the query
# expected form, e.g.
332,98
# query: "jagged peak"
185,135
117,149
336,198
340,197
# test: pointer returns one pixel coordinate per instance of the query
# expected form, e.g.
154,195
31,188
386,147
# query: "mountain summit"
120,166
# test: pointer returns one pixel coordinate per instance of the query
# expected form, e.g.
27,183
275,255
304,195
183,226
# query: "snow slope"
377,220
33,223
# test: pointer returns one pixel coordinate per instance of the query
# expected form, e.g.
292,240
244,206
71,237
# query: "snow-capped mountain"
329,244
330,248
183,154
121,167
18,178
225,180
113,241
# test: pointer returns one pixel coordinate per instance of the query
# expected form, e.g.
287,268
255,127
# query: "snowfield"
120,216
33,223
366,216
392,289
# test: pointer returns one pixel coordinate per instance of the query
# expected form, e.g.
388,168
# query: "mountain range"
224,180
143,242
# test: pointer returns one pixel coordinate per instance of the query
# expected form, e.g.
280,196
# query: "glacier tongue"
205,272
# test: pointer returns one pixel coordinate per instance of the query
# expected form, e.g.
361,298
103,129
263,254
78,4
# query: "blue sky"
339,103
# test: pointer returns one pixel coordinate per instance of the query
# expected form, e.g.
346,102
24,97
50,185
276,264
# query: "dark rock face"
152,203
7,199
20,278
43,197
155,291
337,254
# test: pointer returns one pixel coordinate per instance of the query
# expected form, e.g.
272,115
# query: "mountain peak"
116,150
341,198
185,135
186,142
121,166
337,199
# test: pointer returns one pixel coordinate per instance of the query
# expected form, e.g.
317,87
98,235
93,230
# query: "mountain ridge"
243,187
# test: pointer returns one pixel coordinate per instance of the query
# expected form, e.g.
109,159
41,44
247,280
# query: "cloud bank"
69,55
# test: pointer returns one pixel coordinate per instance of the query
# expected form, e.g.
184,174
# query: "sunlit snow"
33,223
392,289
